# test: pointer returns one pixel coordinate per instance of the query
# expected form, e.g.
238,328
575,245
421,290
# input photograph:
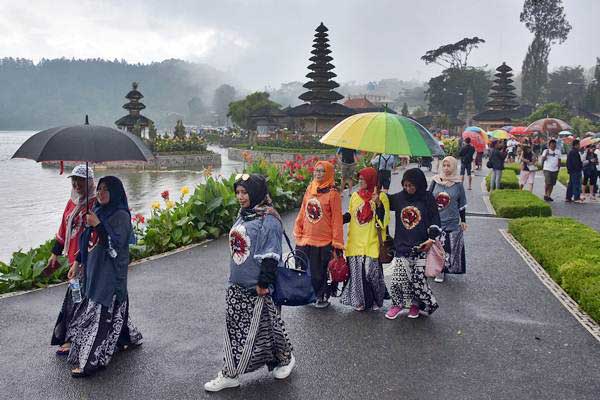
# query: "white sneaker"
221,382
284,371
439,278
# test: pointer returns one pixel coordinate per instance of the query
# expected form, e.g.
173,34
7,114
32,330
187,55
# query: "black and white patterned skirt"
255,335
366,286
61,333
96,332
454,246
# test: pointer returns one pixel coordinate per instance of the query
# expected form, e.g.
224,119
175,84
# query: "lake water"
33,198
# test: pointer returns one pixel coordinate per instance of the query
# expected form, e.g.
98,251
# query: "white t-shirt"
552,159
597,151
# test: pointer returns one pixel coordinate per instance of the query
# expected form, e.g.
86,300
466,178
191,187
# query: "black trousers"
319,258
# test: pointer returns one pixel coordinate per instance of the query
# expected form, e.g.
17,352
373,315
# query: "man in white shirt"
551,165
511,148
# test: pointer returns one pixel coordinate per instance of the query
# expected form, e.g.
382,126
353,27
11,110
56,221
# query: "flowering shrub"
193,143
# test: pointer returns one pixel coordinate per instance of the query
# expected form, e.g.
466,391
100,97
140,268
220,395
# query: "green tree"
152,133
240,110
453,55
592,95
446,92
196,109
567,86
550,110
137,129
419,112
547,21
179,130
582,125
404,110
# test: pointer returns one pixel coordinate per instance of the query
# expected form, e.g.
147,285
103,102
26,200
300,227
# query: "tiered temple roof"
502,106
134,106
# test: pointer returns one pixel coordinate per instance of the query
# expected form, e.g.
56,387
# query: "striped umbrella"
382,132
499,134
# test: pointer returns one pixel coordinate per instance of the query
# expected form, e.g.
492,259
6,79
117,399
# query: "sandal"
63,351
78,373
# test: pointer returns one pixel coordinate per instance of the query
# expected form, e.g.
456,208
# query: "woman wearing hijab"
449,194
367,210
101,322
255,335
417,228
67,242
319,227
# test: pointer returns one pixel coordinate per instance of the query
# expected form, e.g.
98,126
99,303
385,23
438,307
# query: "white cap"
79,171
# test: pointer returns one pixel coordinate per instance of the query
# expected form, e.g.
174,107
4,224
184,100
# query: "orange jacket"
319,221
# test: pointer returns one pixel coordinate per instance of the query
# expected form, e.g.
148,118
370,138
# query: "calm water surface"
33,198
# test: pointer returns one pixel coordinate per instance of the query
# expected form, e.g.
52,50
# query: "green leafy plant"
509,180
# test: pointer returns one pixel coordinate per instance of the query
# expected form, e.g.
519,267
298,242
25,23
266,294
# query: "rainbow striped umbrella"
499,134
382,132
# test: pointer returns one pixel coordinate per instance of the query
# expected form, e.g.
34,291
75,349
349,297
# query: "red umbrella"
520,130
549,126
476,140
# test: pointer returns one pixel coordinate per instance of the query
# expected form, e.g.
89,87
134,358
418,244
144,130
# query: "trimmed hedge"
514,203
515,167
563,176
569,251
509,180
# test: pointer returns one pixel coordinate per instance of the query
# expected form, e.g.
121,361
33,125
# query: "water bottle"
75,290
111,251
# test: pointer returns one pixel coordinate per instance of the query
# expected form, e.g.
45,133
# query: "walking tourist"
449,194
348,159
528,168
466,160
67,242
496,163
101,322
255,335
318,229
511,148
590,172
417,228
368,210
574,168
551,165
384,163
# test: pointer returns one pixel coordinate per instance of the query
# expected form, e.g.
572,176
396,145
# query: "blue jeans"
495,179
574,186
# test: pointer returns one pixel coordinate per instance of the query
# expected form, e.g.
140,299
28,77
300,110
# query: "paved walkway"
498,334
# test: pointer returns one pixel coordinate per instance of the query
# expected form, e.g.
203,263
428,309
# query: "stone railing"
160,162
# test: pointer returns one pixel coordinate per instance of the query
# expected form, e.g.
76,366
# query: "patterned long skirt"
97,330
255,334
61,333
409,284
454,245
366,286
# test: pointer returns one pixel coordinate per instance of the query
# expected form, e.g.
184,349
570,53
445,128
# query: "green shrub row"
206,213
515,167
509,180
569,251
563,176
287,149
514,203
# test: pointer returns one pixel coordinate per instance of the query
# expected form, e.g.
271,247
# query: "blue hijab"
117,201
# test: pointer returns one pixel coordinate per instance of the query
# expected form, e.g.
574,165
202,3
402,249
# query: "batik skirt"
454,246
255,335
409,284
366,286
97,331
61,333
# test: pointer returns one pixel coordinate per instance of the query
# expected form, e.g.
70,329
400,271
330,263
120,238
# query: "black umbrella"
89,143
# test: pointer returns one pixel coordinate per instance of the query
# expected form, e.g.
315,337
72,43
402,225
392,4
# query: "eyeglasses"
243,177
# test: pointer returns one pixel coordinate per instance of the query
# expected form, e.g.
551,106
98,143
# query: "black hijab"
256,186
418,179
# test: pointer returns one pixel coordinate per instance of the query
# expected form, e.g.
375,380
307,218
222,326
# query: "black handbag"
293,285
386,247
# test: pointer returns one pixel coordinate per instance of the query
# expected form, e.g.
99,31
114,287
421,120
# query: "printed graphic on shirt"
239,243
93,241
364,214
411,216
442,200
314,211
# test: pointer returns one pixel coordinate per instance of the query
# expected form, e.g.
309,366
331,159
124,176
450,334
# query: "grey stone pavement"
498,334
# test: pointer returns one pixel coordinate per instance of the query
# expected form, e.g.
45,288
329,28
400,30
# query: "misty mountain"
61,91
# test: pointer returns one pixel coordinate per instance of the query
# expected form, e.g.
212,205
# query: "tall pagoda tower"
134,106
503,96
320,87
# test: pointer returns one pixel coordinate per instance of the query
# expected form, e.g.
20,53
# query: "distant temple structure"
321,110
503,109
363,104
134,106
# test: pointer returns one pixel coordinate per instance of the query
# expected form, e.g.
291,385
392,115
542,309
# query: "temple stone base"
270,156
160,162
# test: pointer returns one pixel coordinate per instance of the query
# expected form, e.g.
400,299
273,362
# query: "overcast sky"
267,42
